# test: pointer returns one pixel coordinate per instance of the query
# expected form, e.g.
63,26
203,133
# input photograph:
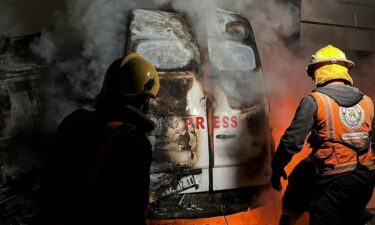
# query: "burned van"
212,145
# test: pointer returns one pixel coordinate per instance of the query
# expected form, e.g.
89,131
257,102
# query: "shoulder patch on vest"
352,117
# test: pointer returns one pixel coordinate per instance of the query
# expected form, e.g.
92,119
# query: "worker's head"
329,64
132,79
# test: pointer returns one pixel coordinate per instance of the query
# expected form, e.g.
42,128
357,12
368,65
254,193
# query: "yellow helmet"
132,75
328,55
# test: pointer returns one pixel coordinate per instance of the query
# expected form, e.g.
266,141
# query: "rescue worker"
100,170
335,182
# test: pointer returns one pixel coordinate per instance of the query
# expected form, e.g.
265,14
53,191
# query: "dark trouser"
298,193
342,199
334,200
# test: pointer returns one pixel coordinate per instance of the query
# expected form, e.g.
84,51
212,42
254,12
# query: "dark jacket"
99,171
294,137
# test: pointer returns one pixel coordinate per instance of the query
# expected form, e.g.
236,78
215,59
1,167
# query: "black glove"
277,173
281,159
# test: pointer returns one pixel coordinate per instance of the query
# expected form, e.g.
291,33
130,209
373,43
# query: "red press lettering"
216,122
200,122
225,122
234,121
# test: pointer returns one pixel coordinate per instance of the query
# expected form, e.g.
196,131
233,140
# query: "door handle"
225,136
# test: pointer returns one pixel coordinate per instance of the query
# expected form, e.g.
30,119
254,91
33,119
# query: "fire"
287,107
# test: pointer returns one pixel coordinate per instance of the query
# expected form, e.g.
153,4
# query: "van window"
236,29
168,54
147,24
231,55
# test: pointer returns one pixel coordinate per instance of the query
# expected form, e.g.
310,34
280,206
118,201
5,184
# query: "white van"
212,146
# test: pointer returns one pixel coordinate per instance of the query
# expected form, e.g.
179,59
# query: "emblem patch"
352,117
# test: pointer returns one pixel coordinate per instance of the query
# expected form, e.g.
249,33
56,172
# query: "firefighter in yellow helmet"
99,172
335,182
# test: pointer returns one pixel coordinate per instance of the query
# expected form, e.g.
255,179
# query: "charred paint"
171,99
177,144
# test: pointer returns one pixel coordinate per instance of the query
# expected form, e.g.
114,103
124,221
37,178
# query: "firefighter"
100,170
335,182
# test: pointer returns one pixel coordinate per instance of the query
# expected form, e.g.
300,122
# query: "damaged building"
21,108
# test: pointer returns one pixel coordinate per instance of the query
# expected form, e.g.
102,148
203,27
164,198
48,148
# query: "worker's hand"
275,178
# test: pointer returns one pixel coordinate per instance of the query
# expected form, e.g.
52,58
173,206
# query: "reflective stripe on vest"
343,134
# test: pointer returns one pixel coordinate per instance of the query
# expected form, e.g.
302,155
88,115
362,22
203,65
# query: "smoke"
90,34
274,23
83,41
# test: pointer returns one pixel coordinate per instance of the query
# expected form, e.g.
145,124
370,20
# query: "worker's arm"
293,139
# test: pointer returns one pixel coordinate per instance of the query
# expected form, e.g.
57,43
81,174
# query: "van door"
180,140
241,139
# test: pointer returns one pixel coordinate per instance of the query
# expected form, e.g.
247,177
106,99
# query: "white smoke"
83,41
90,34
272,22
271,19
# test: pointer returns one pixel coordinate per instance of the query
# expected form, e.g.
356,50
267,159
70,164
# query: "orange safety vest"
341,135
